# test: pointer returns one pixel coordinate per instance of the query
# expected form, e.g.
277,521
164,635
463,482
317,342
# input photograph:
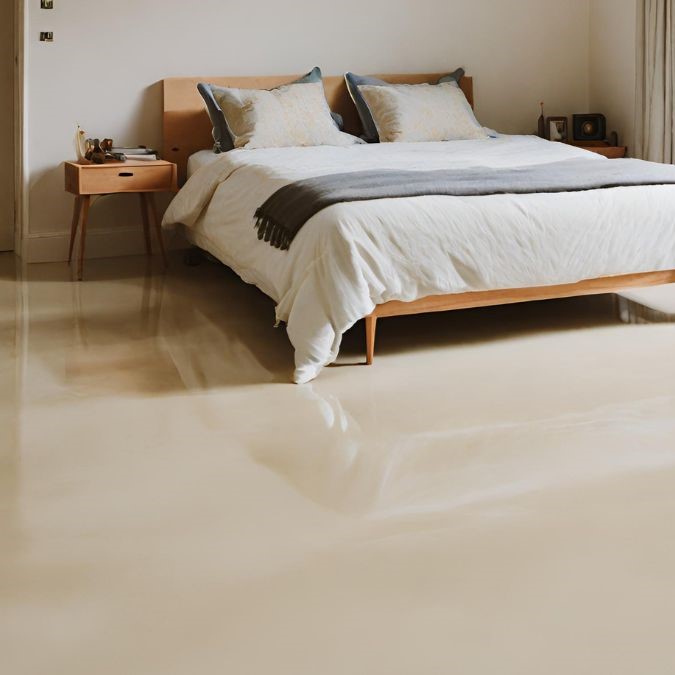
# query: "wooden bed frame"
187,130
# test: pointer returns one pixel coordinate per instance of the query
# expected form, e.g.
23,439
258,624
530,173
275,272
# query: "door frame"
20,202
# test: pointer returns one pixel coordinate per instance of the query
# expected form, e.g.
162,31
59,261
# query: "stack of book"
135,154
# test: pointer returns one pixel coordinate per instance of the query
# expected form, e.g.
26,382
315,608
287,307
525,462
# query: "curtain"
655,109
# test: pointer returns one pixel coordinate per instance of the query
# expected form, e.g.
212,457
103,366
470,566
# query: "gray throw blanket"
280,218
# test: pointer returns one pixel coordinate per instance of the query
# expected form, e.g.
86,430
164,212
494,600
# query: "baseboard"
101,243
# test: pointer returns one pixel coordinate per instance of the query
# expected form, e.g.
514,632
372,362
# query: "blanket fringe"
271,231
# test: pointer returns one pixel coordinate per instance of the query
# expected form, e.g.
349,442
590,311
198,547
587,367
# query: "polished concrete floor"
495,495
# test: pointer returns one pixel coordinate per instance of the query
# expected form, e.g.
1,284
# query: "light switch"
46,4
46,36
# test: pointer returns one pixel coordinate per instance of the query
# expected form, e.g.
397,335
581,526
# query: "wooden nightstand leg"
77,209
83,235
146,222
158,226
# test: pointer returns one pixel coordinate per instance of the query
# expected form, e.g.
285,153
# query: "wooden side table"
142,178
602,148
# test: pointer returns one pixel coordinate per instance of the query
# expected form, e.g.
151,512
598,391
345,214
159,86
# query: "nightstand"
602,148
142,178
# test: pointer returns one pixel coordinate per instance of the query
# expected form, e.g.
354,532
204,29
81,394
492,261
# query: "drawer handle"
125,174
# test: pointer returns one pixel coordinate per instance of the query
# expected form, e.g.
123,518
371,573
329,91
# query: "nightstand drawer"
114,178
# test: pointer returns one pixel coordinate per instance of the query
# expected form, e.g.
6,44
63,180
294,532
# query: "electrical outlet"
46,36
46,4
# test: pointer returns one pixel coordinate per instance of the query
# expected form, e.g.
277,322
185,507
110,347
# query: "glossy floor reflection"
495,495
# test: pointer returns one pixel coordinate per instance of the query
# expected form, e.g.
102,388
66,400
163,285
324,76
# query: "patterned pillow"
355,82
421,112
291,115
222,137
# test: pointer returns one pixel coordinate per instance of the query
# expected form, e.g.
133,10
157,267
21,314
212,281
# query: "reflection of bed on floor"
647,305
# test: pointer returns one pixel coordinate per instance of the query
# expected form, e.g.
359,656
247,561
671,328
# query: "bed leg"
371,327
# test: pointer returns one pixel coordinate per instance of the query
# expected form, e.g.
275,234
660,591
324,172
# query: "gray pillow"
354,81
339,122
221,134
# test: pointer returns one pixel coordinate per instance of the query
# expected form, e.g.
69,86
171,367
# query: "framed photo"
556,129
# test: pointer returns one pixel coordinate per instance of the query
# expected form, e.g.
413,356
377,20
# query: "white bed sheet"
350,257
199,159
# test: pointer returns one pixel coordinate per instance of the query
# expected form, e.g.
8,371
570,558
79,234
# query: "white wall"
612,64
108,56
7,125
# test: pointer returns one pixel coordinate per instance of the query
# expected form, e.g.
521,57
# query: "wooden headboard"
187,127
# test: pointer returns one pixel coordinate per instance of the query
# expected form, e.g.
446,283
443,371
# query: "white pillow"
291,115
421,112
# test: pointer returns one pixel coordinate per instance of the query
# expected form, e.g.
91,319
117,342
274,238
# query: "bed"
369,260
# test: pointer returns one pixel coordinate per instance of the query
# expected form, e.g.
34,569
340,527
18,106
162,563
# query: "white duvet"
351,257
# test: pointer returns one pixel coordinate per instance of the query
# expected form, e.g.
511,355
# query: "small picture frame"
556,129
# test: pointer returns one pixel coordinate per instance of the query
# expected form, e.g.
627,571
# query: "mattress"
353,256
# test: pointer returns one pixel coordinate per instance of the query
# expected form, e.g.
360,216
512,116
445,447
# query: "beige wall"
6,125
103,68
612,64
